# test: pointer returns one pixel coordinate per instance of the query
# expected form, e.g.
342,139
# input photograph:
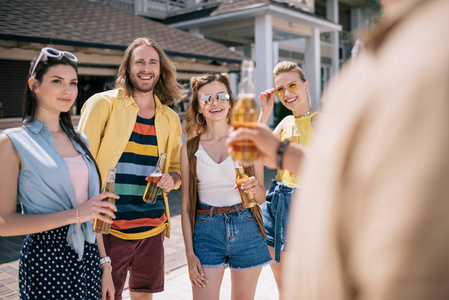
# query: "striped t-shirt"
136,219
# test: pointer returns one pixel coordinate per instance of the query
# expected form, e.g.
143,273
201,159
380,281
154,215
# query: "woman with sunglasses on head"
47,166
218,230
292,89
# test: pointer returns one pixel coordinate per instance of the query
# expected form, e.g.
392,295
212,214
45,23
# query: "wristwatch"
105,260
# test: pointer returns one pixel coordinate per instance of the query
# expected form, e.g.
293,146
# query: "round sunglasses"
51,52
221,97
291,86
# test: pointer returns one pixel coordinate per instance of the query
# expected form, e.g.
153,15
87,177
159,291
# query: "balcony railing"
342,35
126,5
161,9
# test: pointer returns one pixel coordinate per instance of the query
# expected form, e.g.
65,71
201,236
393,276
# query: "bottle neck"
109,186
240,172
246,85
159,164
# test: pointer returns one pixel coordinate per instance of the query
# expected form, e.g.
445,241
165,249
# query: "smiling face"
144,69
295,101
57,91
215,110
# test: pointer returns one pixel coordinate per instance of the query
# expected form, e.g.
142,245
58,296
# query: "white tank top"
79,173
216,181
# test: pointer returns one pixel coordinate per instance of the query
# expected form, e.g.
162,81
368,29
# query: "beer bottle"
99,225
245,114
294,139
248,199
152,190
295,135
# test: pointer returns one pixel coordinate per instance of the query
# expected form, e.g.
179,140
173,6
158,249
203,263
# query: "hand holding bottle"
241,180
267,145
263,138
166,182
250,185
153,187
102,225
97,208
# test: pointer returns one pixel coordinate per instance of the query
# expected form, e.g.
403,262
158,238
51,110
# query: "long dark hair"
30,102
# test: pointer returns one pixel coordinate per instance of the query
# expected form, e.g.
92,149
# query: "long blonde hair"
193,117
288,66
167,89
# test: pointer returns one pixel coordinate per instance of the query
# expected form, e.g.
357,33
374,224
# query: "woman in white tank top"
218,230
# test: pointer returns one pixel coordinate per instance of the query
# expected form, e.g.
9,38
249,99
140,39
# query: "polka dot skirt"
49,268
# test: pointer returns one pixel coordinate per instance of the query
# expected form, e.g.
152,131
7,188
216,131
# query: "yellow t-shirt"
306,134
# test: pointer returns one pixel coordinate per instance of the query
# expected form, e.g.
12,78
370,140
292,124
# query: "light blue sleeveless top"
44,184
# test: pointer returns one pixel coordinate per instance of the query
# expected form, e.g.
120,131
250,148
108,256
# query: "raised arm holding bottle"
292,89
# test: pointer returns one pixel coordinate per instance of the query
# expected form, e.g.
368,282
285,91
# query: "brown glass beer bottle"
99,225
245,114
152,190
295,135
248,199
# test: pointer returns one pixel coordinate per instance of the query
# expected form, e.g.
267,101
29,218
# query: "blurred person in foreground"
128,128
46,165
373,218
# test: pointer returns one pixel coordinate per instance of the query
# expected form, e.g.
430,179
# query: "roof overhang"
49,41
259,10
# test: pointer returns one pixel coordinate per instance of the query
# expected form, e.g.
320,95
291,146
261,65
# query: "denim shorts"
274,215
232,240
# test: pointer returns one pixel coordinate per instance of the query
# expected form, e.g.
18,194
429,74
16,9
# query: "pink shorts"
143,258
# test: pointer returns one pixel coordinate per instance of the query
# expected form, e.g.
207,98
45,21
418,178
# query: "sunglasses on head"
207,99
291,86
51,52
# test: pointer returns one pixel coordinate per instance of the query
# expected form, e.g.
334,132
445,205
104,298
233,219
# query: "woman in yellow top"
292,89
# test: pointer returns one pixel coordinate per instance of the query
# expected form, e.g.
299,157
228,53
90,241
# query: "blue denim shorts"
274,215
231,239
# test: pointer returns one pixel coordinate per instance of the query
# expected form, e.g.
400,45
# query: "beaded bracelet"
106,264
78,222
281,150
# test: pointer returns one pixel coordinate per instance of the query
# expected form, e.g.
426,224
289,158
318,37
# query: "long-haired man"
128,128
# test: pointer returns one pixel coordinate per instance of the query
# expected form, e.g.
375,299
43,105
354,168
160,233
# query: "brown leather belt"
219,210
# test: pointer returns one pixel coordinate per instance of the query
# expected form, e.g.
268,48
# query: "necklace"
53,132
306,114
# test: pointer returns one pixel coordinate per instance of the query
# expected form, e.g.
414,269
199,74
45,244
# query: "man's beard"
143,89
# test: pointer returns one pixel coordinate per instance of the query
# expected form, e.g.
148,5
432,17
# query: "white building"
313,33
